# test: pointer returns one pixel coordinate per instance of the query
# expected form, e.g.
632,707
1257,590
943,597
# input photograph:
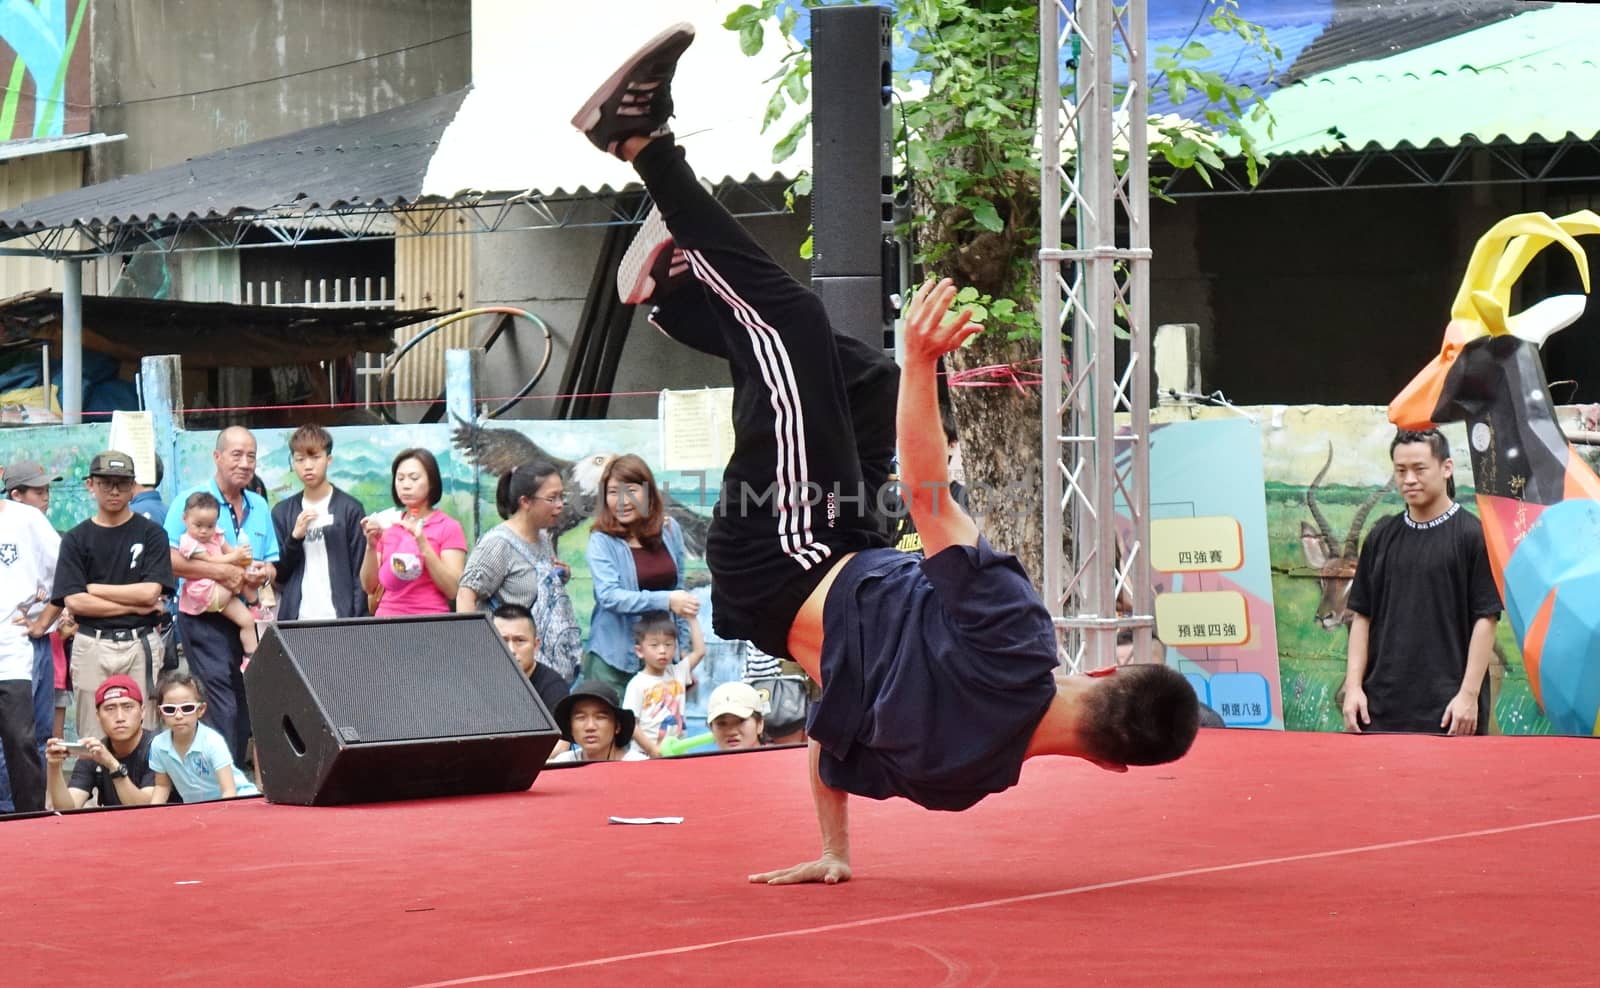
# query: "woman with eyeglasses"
515,563
636,560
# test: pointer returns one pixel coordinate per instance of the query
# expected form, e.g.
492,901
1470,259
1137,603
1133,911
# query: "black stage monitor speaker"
371,709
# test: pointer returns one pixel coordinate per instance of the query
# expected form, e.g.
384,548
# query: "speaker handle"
296,744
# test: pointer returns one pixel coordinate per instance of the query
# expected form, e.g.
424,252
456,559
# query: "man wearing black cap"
598,725
113,572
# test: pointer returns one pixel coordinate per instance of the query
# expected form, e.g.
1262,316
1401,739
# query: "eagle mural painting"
1537,498
499,450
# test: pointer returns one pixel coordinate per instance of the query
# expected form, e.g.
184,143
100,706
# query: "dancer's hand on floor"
927,335
827,869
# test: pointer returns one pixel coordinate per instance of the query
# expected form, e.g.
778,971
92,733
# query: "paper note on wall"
134,433
696,428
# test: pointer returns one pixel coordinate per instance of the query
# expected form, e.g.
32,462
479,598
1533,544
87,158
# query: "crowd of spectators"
99,612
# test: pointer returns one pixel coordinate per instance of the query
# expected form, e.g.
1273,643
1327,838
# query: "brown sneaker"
637,100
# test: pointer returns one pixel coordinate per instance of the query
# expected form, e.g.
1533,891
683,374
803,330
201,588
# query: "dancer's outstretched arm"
924,469
833,816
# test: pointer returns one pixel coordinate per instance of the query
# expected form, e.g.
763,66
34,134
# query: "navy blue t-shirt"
935,673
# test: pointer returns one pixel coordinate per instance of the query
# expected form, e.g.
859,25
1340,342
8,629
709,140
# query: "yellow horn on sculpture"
1491,313
1493,267
1523,249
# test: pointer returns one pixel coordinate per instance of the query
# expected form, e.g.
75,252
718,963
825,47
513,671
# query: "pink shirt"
407,587
195,597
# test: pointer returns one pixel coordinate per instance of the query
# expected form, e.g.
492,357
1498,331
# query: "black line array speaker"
372,709
852,183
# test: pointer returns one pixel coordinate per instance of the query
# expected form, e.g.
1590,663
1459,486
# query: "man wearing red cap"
116,768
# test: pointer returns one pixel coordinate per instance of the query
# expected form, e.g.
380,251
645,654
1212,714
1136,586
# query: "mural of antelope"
1333,559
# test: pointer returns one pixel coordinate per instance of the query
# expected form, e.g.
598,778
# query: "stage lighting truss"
1096,422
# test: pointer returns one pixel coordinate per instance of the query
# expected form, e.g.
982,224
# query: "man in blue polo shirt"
939,676
211,641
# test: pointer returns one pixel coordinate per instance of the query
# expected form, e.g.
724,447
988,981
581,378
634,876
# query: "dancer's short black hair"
1144,714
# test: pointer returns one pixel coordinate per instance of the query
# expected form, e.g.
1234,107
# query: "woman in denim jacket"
636,561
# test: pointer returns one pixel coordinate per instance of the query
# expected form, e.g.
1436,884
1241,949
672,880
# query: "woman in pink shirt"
415,552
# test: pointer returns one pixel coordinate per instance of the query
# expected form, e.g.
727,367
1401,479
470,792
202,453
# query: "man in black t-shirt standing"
1425,605
113,571
117,767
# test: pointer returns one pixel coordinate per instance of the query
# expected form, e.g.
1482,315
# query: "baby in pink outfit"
201,538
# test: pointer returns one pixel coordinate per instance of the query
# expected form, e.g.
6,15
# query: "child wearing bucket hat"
599,727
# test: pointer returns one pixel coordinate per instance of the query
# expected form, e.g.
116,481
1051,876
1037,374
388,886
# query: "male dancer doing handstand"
939,675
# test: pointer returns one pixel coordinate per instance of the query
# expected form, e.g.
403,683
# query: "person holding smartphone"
116,768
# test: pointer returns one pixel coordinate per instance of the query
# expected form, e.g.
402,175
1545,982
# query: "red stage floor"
1261,858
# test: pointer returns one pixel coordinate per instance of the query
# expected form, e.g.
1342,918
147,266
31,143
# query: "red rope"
1019,375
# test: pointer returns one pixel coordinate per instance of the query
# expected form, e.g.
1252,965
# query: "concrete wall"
548,272
184,77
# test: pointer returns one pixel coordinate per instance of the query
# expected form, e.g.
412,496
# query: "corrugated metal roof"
1314,36
534,63
1363,30
29,146
1532,77
377,159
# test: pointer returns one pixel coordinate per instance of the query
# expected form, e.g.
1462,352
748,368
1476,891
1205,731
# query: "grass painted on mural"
65,452
1311,660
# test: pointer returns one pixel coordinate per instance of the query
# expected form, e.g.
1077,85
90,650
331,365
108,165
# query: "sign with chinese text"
1208,553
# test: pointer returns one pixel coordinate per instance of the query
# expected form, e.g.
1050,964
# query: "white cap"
739,699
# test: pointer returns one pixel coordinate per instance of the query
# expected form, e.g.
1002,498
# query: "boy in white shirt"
320,532
655,693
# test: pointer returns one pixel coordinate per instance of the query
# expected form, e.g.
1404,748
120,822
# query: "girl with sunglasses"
189,756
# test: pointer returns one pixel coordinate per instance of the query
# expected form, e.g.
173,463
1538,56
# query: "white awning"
534,63
28,146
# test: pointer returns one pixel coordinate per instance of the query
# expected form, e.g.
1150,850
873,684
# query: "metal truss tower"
1096,422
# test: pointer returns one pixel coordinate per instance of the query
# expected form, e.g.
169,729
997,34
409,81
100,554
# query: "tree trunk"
1001,442
1001,450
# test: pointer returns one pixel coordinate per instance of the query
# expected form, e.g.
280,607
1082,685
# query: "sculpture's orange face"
1413,408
